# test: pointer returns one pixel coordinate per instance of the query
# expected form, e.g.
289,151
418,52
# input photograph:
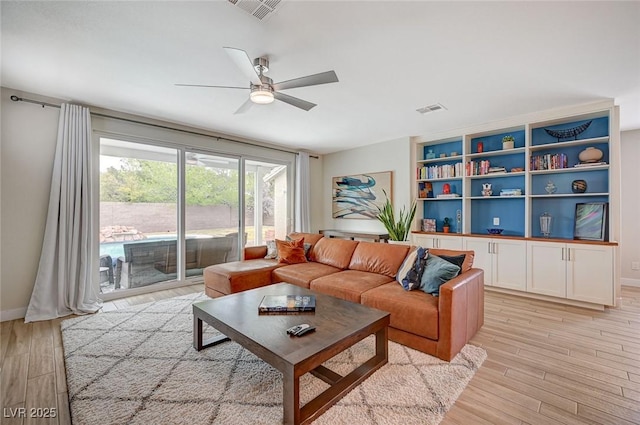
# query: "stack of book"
428,224
497,170
511,192
590,164
287,304
448,195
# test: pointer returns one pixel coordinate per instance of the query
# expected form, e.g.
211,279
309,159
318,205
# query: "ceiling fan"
263,89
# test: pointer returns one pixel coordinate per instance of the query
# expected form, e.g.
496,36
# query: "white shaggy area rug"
138,366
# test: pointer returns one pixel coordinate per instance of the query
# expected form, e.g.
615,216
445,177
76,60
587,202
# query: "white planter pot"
507,145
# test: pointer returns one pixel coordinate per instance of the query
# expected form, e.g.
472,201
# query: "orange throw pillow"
291,252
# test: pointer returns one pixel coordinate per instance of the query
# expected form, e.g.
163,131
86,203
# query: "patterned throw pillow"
272,251
437,273
413,279
406,265
291,252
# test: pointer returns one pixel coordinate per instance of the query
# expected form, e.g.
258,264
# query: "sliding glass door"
138,214
167,212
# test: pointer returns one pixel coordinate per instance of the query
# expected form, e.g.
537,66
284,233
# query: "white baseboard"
630,282
16,313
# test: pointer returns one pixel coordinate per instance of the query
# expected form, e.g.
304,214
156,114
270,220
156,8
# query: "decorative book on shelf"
287,304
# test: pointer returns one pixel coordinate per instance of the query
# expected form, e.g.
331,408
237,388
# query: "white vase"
590,154
507,145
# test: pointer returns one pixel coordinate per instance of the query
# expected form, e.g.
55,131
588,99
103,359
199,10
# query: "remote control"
295,329
306,330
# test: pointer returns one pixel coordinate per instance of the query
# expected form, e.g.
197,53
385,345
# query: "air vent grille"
432,108
261,9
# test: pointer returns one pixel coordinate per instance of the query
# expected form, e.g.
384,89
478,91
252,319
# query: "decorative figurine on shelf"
486,189
446,226
458,221
579,186
550,187
446,188
480,147
430,154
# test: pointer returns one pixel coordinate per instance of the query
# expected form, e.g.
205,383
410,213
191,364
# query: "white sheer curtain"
303,187
63,283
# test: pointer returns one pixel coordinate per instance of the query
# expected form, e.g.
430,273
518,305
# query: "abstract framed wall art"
360,195
591,221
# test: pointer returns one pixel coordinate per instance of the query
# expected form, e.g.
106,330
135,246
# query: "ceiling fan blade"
309,80
244,107
242,61
294,101
216,87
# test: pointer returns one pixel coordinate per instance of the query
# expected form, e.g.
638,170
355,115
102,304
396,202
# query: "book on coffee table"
287,304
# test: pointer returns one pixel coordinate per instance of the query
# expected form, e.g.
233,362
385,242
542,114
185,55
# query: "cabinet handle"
568,254
562,254
489,247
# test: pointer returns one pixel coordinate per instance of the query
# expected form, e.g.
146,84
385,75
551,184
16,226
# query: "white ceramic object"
507,145
590,154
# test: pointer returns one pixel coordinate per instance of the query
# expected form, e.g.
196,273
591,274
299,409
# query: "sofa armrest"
461,311
254,252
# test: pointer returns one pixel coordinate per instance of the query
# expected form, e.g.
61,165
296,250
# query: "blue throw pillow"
437,273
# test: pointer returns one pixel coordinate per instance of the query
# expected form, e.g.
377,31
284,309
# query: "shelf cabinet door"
425,241
590,273
482,259
510,264
546,270
450,242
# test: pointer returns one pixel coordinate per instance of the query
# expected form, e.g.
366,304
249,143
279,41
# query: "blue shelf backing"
562,211
597,181
447,148
511,182
599,127
494,142
441,209
509,210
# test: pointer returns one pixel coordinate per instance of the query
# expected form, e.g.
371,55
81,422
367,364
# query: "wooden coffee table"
339,325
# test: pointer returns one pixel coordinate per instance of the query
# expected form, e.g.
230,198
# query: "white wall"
386,156
28,147
630,207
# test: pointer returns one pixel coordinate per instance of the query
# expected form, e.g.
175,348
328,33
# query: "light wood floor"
547,364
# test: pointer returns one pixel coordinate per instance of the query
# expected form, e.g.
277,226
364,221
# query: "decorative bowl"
495,231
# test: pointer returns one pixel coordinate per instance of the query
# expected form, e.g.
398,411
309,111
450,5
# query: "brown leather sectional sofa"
364,272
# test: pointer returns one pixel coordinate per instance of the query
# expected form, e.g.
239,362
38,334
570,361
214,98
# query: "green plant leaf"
398,228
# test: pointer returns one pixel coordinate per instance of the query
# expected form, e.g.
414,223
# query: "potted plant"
508,142
446,226
398,228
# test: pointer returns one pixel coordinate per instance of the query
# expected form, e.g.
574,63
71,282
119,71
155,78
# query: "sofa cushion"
310,238
302,274
437,273
468,256
333,252
272,250
237,276
348,284
378,257
413,311
291,252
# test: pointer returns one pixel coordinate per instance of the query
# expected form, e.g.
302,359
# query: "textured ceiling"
484,61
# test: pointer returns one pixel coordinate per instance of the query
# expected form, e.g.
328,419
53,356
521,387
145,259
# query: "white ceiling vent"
261,9
432,108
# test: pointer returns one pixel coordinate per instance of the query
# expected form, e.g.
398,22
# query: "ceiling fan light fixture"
262,96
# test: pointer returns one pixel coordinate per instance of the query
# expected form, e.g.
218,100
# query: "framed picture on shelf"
591,221
428,224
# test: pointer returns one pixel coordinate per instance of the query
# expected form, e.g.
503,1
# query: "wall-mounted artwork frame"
359,196
591,221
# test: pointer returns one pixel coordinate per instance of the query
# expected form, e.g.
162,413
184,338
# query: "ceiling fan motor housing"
261,65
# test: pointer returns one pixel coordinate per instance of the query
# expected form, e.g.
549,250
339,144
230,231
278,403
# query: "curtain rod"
53,105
